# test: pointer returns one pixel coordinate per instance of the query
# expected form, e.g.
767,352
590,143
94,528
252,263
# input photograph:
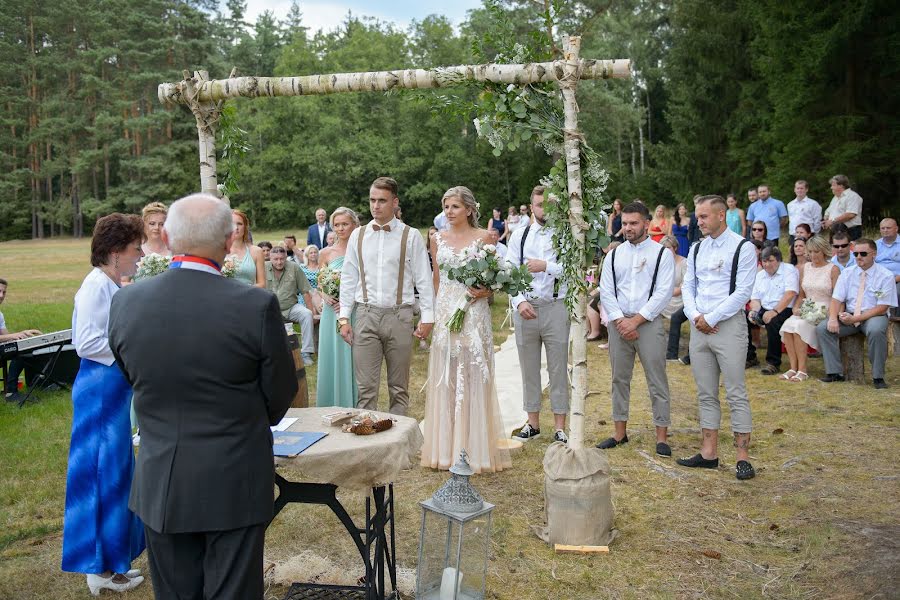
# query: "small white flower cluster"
152,264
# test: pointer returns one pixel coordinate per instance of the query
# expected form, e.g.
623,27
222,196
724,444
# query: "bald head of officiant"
207,386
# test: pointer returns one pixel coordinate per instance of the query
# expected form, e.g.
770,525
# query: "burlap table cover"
348,460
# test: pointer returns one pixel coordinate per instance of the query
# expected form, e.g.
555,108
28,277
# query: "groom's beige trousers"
383,334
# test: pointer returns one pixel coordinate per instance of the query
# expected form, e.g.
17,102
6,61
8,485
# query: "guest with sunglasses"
840,245
759,231
862,297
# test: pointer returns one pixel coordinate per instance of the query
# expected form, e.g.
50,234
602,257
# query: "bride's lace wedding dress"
461,408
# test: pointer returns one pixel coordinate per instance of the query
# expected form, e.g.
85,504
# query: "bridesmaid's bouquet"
481,266
229,266
329,282
152,264
812,312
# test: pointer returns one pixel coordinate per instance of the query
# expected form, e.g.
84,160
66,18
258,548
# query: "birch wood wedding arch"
204,97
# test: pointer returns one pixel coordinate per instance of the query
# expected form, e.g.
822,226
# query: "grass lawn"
819,521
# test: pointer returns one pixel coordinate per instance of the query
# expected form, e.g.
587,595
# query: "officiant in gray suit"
211,370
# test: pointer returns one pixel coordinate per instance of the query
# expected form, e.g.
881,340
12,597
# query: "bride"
461,409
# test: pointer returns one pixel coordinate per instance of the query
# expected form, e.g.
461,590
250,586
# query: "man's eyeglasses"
839,246
863,254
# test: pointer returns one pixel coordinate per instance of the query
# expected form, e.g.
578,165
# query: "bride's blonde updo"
467,198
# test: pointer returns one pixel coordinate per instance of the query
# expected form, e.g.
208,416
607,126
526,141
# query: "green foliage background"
725,95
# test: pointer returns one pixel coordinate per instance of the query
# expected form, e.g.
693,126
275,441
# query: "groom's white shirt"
381,257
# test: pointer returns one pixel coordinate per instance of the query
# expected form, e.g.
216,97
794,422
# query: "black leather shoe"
879,384
663,449
831,378
697,460
612,443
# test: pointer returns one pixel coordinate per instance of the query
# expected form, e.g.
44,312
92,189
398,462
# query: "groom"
386,262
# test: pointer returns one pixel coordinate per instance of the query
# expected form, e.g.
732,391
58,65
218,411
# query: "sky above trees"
328,15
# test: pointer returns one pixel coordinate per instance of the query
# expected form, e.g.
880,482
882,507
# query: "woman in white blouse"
101,536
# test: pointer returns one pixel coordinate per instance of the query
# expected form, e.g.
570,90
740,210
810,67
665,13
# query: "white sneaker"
307,358
97,583
526,433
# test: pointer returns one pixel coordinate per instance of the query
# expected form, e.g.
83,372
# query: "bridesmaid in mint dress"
251,266
336,383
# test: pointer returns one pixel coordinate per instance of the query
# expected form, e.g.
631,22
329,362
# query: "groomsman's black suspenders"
734,266
612,260
522,260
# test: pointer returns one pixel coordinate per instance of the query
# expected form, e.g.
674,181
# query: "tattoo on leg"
707,434
742,441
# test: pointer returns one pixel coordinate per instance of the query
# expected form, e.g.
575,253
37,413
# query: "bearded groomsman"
635,286
720,274
541,319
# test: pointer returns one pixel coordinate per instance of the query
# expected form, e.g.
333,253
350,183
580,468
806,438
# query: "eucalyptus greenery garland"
509,116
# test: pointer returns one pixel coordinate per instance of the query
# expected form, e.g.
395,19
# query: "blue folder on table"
292,443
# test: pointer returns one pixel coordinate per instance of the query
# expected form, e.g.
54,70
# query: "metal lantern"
455,539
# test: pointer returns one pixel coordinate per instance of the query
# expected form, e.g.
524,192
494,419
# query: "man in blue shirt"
770,211
840,245
889,255
860,302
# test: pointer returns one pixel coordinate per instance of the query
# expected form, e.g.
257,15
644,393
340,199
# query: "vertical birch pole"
572,150
207,115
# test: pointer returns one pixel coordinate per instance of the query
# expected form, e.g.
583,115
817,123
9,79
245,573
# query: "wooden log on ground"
853,356
566,549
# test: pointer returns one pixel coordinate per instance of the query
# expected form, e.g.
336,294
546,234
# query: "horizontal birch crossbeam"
383,81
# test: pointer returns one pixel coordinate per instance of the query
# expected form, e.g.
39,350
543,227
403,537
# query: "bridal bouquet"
812,312
152,264
329,282
480,266
229,266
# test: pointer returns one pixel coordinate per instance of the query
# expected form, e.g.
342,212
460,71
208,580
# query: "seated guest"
318,231
286,281
817,280
330,237
248,258
311,270
495,240
840,243
798,252
674,311
862,297
293,253
889,254
16,365
774,291
266,247
802,231
759,231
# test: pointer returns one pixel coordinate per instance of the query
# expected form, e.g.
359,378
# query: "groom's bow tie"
385,228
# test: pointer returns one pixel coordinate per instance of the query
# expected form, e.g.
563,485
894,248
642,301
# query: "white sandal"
788,375
800,376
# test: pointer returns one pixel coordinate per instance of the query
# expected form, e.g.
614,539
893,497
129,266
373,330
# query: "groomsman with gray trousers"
635,286
541,319
720,274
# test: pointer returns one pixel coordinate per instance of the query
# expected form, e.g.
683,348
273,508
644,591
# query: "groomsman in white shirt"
386,262
720,274
803,210
635,286
540,319
863,295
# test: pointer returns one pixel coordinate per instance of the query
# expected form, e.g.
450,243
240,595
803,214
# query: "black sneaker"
611,443
14,396
560,436
663,449
831,378
879,384
526,433
672,359
685,360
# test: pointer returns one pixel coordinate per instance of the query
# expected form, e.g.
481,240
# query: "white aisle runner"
508,381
